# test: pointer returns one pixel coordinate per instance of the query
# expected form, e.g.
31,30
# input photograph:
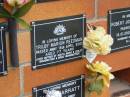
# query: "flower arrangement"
98,41
99,76
15,10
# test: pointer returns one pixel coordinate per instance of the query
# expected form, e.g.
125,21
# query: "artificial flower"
100,76
101,68
98,41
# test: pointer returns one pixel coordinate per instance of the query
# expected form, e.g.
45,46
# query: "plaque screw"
33,23
2,27
110,12
83,56
82,76
5,73
34,89
34,67
84,15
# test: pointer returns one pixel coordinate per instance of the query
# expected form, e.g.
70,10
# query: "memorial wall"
51,55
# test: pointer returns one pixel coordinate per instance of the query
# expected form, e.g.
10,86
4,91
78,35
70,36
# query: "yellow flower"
98,41
103,69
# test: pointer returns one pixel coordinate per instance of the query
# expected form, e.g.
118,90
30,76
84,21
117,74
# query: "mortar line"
24,64
21,74
96,9
21,81
97,20
28,94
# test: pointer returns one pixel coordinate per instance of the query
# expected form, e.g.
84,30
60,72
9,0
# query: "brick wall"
19,81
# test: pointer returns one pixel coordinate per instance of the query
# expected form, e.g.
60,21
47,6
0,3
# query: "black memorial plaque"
119,28
3,60
57,40
73,87
41,1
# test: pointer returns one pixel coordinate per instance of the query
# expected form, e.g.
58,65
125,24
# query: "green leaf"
1,16
23,23
4,13
96,86
24,9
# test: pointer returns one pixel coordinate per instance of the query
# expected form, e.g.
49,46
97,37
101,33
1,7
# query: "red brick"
117,60
105,5
2,20
60,9
52,74
24,46
9,85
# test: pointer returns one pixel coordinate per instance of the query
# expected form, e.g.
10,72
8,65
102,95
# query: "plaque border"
36,1
4,72
116,11
80,77
50,21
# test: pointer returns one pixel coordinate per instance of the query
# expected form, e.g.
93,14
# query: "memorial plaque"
119,28
57,40
41,1
73,87
3,61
